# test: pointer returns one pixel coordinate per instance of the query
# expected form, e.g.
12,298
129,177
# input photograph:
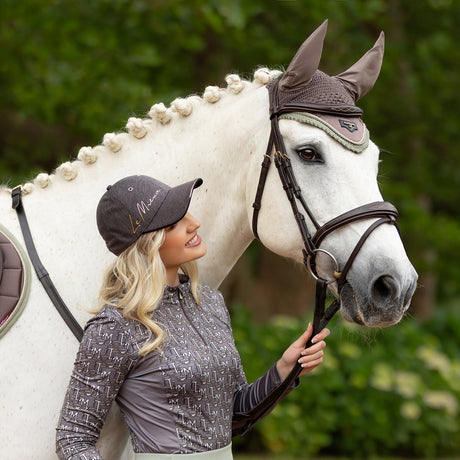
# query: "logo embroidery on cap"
142,209
350,125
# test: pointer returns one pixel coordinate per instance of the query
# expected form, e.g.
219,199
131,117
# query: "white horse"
220,137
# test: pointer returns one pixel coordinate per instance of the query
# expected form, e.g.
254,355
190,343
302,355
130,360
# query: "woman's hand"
309,358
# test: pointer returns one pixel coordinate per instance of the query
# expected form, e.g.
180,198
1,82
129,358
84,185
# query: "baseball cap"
140,204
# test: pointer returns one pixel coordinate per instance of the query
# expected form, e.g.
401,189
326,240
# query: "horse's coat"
221,138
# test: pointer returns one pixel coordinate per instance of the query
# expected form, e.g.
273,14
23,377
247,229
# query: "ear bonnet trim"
328,127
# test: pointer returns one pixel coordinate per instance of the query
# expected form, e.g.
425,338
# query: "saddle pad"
14,279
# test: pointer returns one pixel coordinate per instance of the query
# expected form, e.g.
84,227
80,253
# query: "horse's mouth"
361,310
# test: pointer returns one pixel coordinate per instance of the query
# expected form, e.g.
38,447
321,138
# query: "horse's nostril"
384,290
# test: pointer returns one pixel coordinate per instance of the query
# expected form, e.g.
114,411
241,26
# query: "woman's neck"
172,277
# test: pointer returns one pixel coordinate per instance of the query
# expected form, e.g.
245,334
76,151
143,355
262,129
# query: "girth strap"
42,274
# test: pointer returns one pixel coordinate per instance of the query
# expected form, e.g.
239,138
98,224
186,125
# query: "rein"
384,212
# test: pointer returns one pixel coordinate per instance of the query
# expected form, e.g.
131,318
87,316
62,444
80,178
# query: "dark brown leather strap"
343,277
367,211
243,422
42,274
280,162
345,110
260,190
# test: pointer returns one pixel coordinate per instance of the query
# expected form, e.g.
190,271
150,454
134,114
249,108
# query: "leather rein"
384,212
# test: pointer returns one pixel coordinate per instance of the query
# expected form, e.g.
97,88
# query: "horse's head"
335,166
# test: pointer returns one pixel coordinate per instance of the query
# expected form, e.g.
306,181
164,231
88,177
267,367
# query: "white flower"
410,410
441,400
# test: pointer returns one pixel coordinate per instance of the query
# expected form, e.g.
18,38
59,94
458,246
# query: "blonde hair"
135,284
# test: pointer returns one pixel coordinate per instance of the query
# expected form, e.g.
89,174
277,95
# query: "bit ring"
337,273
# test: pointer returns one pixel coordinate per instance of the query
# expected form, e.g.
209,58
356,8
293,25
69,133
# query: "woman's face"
182,244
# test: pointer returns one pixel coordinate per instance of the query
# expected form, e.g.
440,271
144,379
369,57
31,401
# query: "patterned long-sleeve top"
179,400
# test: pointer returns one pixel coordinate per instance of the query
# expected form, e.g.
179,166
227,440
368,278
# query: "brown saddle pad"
14,279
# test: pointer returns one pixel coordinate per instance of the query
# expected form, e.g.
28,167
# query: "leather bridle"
384,212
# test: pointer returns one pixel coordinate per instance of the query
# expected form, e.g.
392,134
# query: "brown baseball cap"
140,204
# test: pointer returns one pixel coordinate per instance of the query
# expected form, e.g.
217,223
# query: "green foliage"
378,392
72,71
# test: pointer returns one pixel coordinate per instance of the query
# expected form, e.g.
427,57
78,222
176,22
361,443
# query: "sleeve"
102,363
249,395
252,402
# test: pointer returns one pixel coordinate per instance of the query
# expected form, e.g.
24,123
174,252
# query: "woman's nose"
193,223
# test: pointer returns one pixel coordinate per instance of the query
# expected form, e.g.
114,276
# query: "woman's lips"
195,241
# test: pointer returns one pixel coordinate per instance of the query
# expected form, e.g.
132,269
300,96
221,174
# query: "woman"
161,345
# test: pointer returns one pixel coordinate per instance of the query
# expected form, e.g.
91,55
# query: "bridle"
384,212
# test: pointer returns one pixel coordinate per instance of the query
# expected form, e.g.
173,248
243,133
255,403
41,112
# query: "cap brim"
174,206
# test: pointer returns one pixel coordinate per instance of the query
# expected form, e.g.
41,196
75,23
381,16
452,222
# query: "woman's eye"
309,154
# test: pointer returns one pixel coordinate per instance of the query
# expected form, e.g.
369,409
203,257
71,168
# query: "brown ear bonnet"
308,95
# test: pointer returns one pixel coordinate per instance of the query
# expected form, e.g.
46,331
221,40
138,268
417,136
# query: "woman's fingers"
303,339
321,335
310,366
314,348
312,360
309,358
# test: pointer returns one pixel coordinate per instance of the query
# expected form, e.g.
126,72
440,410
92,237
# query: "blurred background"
72,71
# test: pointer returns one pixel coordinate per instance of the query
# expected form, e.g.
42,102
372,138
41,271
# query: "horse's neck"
215,142
230,143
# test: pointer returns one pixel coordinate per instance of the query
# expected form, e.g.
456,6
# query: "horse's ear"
305,62
360,77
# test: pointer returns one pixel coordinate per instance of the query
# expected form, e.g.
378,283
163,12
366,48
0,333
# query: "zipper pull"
180,295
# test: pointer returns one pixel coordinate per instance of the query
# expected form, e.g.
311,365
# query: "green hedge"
378,392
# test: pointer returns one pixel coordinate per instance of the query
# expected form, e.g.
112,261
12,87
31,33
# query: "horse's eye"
309,154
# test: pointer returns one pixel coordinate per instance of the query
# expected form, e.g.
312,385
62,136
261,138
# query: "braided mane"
138,128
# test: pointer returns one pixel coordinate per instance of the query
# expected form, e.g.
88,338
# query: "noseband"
384,212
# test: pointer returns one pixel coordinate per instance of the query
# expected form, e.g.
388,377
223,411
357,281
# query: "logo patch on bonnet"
350,125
